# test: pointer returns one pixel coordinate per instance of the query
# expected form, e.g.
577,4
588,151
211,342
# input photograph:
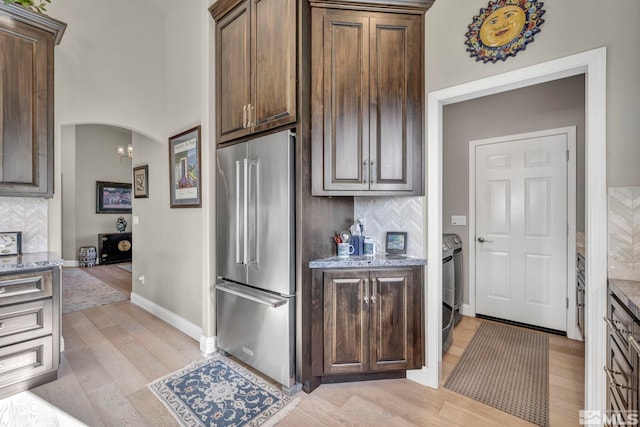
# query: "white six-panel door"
521,230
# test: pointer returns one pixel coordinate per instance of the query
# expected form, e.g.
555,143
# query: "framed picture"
141,182
184,169
396,242
113,197
10,243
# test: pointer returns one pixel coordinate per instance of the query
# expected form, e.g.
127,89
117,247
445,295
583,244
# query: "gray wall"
550,105
94,150
571,26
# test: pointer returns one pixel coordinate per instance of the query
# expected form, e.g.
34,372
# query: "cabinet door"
273,54
233,73
345,84
391,328
396,93
346,322
26,110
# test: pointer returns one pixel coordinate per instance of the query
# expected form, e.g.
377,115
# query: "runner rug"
81,291
220,392
506,367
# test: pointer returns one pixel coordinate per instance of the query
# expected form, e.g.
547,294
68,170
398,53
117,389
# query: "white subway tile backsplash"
624,233
393,214
28,215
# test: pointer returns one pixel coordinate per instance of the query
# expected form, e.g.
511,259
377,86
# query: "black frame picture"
141,182
113,197
396,242
185,184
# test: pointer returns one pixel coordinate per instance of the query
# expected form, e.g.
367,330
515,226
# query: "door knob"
483,240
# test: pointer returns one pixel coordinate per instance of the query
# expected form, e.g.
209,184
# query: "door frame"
593,64
570,131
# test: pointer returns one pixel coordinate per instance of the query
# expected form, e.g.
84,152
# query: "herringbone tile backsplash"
624,233
28,215
393,214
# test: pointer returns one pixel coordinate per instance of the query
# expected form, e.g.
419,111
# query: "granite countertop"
32,261
359,261
629,293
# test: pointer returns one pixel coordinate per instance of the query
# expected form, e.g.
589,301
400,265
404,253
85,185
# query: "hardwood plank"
151,409
113,407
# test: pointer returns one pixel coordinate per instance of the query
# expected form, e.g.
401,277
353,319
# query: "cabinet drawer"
25,287
21,322
24,360
623,324
620,379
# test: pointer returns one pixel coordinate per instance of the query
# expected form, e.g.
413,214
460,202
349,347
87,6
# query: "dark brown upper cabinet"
27,40
367,99
255,66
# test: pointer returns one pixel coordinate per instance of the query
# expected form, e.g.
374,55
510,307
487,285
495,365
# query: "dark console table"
114,247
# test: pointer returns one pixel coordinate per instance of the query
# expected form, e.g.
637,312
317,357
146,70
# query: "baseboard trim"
208,345
69,263
171,318
466,310
425,376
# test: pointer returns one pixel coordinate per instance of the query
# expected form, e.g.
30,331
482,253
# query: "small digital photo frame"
396,242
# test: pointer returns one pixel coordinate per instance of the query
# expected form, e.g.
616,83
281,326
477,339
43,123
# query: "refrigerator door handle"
239,260
272,301
253,197
245,251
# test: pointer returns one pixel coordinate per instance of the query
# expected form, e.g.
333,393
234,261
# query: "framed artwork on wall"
141,182
184,169
503,28
113,197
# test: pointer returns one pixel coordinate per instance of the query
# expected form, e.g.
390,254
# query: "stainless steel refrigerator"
255,289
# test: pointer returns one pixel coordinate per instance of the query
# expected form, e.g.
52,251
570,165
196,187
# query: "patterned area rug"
220,392
506,367
81,290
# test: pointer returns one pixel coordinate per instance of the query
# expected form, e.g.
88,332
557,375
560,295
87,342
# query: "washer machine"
448,295
455,243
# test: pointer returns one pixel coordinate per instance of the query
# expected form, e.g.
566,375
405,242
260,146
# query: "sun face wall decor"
503,28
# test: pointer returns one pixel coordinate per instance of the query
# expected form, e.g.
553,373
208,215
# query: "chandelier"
125,153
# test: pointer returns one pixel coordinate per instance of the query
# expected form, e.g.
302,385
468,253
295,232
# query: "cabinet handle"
244,116
612,380
612,327
365,171
373,292
366,291
634,344
373,172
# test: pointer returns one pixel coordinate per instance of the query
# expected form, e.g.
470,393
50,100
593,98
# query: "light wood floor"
113,276
112,352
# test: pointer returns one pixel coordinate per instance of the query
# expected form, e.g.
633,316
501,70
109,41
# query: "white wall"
571,26
137,66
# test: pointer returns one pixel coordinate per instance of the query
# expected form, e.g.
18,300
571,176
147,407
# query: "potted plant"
30,4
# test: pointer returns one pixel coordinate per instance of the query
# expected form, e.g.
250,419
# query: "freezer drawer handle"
252,297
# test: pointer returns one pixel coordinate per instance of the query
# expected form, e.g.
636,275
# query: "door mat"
81,291
506,367
220,392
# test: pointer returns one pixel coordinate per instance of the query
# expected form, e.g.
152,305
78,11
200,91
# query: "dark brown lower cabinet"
367,321
623,359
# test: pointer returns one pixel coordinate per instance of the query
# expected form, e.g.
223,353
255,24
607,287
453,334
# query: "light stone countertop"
16,264
629,293
367,261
